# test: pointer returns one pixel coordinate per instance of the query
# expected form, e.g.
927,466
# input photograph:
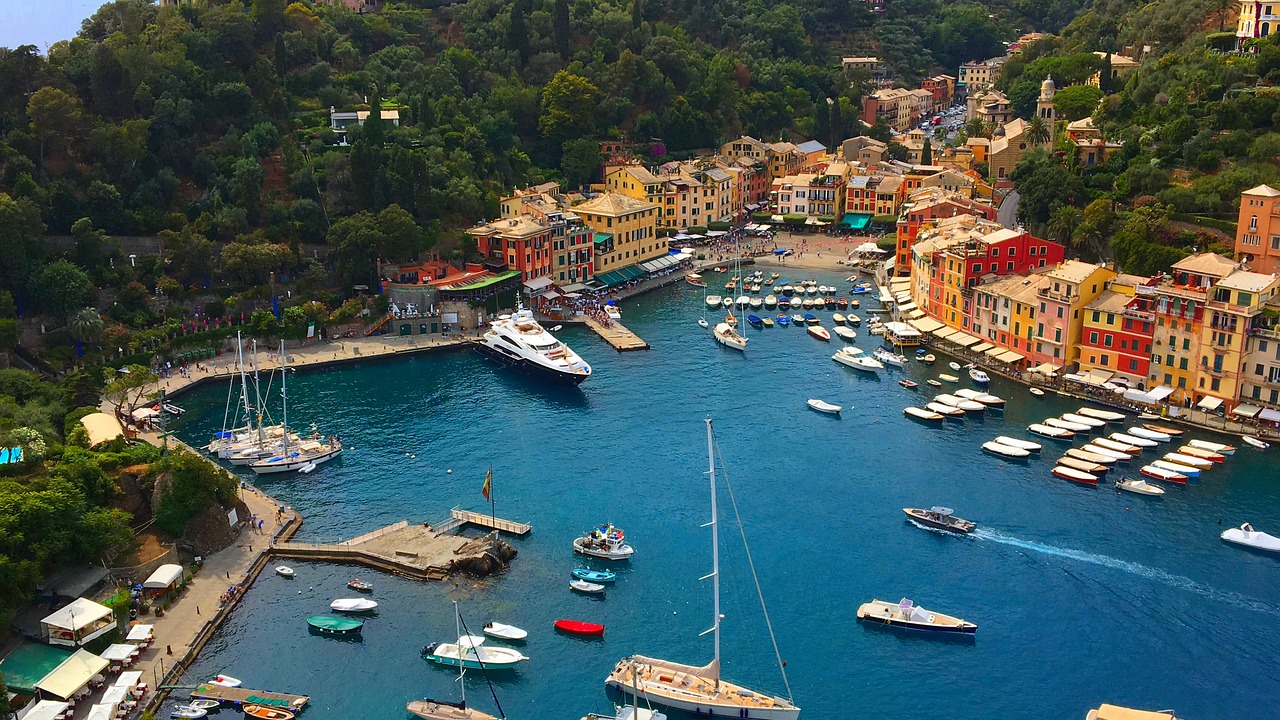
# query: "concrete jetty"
617,335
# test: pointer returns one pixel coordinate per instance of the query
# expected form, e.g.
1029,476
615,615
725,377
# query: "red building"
520,243
1118,329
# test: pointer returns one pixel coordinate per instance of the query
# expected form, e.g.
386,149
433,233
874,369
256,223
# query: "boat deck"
247,696
617,335
418,550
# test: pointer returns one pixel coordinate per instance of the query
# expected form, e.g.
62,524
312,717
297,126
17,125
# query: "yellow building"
625,230
1229,316
1179,308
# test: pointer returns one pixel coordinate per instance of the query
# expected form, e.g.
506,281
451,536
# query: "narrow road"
1007,214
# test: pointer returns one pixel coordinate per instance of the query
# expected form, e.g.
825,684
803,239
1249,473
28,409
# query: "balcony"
1271,333
1139,315
1051,295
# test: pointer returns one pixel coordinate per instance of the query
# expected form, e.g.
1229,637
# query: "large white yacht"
518,341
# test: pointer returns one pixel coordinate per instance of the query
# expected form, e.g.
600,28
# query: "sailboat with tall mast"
700,690
432,709
725,332
305,455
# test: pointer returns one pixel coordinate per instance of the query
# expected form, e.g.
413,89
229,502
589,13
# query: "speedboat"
771,301
819,332
844,333
941,409
783,320
519,342
996,448
1200,452
1213,446
965,405
1170,431
1050,432
714,301
187,711
854,358
1142,432
225,681
505,632
1082,465
908,384
1132,440
1255,442
1027,445
1074,475
594,576
1106,452
941,518
824,407
921,413
1160,473
1140,487
979,376
1084,420
353,605
1107,415
1245,535
906,615
284,571
586,588
1189,460
889,358
798,319
469,652
604,542
1067,425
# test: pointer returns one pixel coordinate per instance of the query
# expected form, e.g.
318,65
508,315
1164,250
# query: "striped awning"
925,324
963,339
1011,356
943,332
993,352
1246,410
982,347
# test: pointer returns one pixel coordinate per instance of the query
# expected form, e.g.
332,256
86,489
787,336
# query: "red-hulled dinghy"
577,627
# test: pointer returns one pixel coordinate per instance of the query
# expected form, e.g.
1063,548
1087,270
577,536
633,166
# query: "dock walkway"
244,696
488,521
617,335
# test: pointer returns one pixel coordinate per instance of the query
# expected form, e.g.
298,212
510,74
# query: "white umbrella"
868,247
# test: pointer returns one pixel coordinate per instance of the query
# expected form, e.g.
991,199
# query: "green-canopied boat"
335,625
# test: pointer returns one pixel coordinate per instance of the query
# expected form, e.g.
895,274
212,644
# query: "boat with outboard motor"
1139,487
856,359
905,614
941,518
1001,449
1248,537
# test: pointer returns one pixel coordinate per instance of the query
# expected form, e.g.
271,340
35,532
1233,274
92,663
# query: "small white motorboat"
204,704
1050,432
587,588
702,323
948,378
1142,432
954,365
1106,452
1131,440
1086,456
1189,460
1074,475
353,605
714,301
1188,470
284,571
856,359
844,333
979,376
905,614
1200,452
1027,445
824,407
1067,425
942,409
1116,446
1255,442
987,399
819,332
933,383
1102,414
1084,420
921,413
225,681
1245,535
1222,448
996,448
1036,391
1139,486
889,358
172,409
505,632
966,405
1160,473
188,711
852,320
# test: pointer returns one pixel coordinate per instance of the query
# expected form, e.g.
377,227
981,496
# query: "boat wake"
1133,568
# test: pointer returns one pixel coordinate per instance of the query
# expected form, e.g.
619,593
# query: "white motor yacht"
1245,535
856,359
518,341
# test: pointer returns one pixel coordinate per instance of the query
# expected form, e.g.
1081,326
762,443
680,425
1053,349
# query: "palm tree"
1063,223
1037,131
86,326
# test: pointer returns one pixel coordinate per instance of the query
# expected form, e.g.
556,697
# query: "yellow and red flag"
488,482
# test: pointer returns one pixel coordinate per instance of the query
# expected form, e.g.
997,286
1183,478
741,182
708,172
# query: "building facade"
1258,229
624,231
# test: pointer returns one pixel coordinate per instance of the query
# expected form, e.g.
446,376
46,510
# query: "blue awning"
856,221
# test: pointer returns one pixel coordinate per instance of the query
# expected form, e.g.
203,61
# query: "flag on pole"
311,330
488,482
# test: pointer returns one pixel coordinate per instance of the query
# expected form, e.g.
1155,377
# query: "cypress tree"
373,130
926,153
518,31
637,13
560,26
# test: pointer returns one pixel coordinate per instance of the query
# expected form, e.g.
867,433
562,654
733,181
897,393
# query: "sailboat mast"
257,395
715,551
244,382
284,399
462,670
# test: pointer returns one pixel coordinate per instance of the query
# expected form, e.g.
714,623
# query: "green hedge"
718,226
761,217
697,230
1225,226
884,220
794,219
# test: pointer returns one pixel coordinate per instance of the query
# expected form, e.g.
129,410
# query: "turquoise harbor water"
1081,595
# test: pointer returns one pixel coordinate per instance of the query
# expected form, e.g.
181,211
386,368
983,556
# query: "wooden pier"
488,521
245,696
617,335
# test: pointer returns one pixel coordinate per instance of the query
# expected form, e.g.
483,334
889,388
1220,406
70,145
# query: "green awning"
856,221
602,237
612,278
632,272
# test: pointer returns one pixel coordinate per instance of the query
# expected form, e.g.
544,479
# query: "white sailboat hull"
698,704
268,468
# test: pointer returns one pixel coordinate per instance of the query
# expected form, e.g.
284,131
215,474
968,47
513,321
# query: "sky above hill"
23,22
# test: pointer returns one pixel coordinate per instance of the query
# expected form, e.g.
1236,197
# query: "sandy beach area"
814,252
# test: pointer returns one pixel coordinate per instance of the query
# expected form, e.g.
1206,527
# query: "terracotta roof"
614,204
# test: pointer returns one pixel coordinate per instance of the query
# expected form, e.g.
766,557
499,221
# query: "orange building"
1258,229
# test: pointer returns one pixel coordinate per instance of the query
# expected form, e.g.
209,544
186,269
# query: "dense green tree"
86,326
579,160
1077,101
60,288
55,117
188,485
560,27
